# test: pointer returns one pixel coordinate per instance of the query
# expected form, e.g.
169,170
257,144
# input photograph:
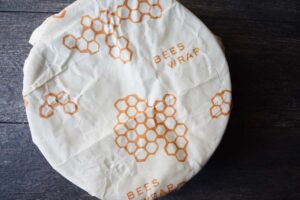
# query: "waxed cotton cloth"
126,99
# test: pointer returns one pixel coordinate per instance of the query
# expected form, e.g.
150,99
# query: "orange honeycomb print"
60,15
52,101
140,126
221,104
106,24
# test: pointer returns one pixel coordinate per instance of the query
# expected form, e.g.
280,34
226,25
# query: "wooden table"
259,157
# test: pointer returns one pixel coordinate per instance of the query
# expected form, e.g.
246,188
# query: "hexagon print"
106,25
140,126
52,101
220,104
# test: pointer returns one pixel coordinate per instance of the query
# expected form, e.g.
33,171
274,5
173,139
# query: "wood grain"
274,10
251,163
255,50
259,154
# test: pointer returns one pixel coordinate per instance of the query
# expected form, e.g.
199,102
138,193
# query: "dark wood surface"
259,157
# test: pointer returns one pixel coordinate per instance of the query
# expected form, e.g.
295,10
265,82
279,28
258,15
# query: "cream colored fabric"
126,99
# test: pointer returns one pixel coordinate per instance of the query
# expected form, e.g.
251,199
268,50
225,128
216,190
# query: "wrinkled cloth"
126,99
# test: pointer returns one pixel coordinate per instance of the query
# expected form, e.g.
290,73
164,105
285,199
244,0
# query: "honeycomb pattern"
52,101
60,15
221,104
139,127
106,23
